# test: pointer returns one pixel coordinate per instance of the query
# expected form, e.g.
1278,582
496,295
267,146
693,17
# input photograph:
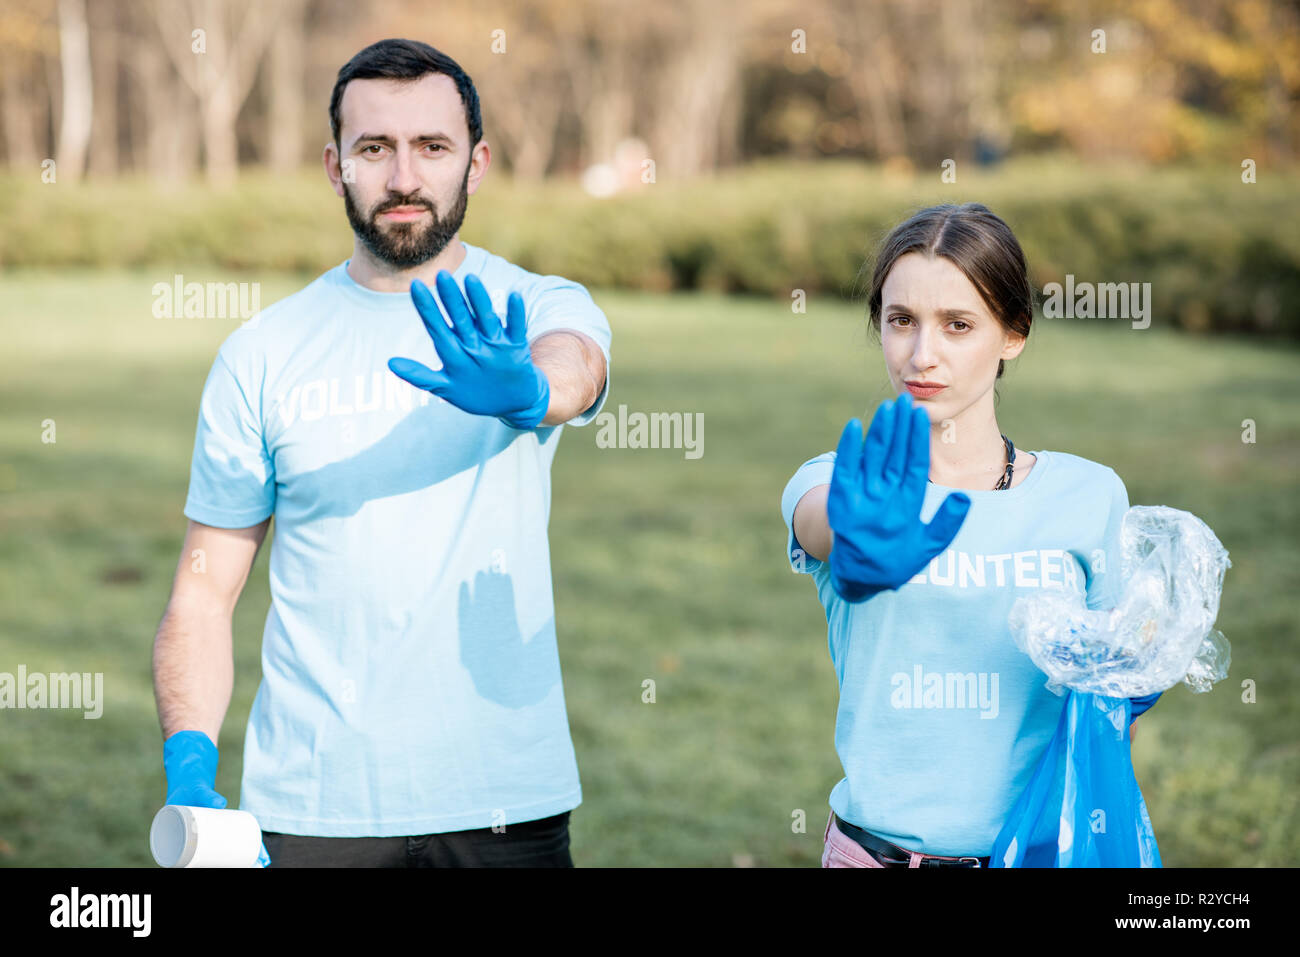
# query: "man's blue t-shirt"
410,676
942,719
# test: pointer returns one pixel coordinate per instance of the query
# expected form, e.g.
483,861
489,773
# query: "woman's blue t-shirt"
942,719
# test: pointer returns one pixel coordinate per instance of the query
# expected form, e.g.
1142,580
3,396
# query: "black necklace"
1005,481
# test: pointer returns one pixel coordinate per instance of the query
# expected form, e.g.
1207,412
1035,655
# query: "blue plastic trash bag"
1083,807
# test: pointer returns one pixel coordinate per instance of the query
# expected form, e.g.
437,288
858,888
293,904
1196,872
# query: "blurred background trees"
128,85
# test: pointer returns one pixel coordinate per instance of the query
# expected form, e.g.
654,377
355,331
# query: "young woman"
919,539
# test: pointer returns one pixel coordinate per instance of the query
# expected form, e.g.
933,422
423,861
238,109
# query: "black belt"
891,855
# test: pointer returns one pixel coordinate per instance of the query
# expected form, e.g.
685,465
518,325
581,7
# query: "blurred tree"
1207,78
564,82
522,84
697,98
215,46
27,36
873,39
106,65
75,118
163,126
284,79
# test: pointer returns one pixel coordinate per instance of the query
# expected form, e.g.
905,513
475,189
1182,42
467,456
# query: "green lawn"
664,567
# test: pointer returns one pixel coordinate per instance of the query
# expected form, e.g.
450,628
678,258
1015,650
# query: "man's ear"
333,166
479,160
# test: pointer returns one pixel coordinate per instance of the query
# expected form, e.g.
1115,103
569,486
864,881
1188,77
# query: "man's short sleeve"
560,303
232,478
812,473
1105,583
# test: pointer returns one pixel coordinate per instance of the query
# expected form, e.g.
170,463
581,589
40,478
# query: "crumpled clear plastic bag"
1083,806
1161,632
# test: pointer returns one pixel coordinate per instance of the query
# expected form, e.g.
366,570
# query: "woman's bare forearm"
811,527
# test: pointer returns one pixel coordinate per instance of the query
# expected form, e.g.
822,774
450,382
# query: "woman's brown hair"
978,243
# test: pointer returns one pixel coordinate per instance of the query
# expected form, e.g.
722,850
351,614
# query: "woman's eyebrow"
946,313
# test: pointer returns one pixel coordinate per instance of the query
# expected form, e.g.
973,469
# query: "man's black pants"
541,843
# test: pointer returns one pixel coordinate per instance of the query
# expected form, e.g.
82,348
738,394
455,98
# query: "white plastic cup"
183,836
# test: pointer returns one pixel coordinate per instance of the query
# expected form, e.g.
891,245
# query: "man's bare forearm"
574,367
193,669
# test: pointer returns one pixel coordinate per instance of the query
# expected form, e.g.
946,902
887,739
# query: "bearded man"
411,711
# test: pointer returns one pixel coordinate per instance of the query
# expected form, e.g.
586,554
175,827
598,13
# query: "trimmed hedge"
1219,254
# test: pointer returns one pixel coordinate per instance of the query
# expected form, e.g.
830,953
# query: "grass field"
664,567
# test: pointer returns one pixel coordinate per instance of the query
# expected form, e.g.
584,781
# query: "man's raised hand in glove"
488,369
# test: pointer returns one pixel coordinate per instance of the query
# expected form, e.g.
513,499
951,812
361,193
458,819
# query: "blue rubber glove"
874,504
485,370
1143,704
190,763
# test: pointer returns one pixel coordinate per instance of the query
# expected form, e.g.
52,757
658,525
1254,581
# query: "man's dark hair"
405,60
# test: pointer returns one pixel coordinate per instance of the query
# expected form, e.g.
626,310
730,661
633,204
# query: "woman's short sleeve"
812,473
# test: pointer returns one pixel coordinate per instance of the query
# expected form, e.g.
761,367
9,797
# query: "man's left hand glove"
190,764
485,370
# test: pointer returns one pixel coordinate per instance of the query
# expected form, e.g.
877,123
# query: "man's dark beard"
407,244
